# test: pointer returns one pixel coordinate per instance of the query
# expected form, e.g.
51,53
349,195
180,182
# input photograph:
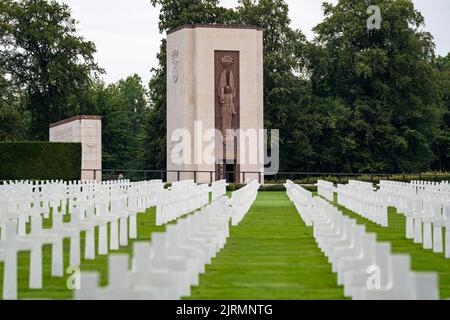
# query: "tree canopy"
43,55
386,81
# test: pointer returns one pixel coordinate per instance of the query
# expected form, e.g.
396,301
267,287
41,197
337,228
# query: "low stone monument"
86,130
215,84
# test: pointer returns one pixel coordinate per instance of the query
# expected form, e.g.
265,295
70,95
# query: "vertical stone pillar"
86,130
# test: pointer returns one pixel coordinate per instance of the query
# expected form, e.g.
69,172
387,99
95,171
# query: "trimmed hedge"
272,188
269,187
234,187
427,176
40,161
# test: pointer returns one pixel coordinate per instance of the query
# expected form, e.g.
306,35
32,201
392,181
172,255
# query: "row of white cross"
426,207
218,189
90,205
182,198
168,266
326,189
366,268
363,200
300,197
242,200
443,186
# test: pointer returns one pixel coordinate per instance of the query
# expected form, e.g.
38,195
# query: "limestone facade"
86,130
192,94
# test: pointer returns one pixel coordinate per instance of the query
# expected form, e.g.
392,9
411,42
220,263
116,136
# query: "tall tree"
385,78
286,91
175,13
123,107
41,51
13,119
442,146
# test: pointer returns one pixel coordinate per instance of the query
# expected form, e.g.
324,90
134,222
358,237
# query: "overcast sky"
127,36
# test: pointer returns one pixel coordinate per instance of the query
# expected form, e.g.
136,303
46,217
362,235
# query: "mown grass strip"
271,255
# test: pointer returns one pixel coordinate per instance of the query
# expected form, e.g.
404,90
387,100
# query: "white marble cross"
118,287
8,253
141,276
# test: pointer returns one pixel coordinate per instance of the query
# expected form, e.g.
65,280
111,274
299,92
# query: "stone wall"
86,130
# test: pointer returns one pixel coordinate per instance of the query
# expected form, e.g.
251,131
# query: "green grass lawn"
422,260
270,255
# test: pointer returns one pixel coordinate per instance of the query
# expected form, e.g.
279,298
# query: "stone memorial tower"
215,84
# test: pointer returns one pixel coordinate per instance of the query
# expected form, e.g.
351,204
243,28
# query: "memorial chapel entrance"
228,172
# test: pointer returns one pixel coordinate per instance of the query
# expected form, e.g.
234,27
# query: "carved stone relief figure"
175,64
227,95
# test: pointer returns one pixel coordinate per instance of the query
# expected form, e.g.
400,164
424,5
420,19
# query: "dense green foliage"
13,117
269,187
311,179
40,161
385,83
351,100
123,107
45,58
442,143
